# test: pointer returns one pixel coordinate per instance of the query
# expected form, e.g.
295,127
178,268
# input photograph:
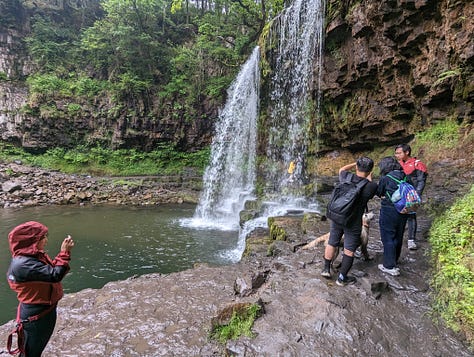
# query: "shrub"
165,159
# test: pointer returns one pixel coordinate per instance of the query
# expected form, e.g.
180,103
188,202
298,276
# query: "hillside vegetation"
452,242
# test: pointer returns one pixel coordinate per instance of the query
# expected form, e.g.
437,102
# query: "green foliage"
240,324
50,43
3,76
50,86
73,109
452,241
216,87
47,85
129,85
165,159
87,87
9,152
439,137
187,52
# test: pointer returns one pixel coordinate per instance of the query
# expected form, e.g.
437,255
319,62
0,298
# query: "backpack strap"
362,183
20,336
397,181
19,332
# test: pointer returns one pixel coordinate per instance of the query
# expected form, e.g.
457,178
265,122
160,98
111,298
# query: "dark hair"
388,164
364,164
405,148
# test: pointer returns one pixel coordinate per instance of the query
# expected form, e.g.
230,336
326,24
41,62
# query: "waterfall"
229,179
230,176
299,31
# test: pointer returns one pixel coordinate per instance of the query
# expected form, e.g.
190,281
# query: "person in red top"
36,279
417,172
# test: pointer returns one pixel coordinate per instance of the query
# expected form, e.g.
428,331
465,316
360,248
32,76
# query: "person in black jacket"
392,223
352,230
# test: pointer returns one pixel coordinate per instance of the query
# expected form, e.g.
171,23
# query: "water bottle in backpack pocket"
405,198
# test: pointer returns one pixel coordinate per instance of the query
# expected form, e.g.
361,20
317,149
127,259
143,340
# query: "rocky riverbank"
23,186
305,314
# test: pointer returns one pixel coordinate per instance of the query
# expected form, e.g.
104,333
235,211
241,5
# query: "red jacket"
417,172
32,274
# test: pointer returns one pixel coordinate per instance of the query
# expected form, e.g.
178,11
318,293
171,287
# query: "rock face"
392,67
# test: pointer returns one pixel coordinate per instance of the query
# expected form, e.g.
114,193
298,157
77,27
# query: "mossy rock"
285,228
247,215
252,205
257,242
277,232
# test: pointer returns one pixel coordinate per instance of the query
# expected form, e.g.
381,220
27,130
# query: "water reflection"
114,243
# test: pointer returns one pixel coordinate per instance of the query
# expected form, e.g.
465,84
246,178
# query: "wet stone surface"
305,314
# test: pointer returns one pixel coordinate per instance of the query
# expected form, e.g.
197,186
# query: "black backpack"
341,206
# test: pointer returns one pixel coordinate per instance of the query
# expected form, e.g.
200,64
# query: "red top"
413,164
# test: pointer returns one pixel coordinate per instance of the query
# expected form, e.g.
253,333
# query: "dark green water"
114,243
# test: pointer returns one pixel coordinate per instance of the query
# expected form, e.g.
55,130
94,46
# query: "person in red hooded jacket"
36,279
418,173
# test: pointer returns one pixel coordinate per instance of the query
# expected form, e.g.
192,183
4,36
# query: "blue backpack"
405,198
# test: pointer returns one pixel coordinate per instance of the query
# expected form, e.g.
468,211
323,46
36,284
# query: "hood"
24,238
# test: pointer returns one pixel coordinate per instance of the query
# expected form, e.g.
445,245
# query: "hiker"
353,226
391,222
36,279
417,172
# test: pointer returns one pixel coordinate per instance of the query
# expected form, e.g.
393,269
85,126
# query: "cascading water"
230,176
299,32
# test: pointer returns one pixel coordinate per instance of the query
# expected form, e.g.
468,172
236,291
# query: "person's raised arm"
347,167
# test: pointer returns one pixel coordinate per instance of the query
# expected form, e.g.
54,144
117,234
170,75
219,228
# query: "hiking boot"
326,273
348,280
392,271
412,245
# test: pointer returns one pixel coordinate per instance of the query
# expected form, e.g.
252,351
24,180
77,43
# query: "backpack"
405,198
342,202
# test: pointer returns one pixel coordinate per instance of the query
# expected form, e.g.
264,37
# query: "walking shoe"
326,273
392,271
412,245
348,280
